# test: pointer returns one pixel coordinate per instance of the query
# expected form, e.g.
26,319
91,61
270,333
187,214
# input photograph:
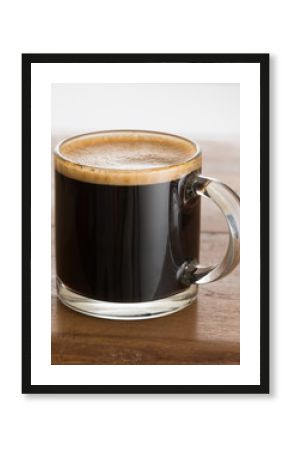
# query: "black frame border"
210,58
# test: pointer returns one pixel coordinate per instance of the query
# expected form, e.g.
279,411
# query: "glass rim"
113,175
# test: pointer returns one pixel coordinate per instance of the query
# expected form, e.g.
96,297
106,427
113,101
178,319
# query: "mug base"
126,311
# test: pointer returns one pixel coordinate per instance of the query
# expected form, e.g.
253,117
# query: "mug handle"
229,203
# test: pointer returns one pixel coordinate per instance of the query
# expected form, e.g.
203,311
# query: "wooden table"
207,332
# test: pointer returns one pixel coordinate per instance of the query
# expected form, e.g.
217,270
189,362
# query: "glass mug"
127,217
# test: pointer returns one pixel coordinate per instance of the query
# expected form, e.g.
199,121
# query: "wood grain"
207,332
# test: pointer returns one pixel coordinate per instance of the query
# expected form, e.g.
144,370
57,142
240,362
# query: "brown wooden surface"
207,332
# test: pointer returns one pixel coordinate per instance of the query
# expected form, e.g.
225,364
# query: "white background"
202,421
210,110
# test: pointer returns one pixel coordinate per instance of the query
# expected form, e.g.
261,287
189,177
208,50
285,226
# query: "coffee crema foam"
126,157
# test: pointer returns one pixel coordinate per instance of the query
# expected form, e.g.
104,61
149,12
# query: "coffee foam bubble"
126,157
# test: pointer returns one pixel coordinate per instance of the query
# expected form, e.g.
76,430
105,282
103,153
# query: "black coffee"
125,242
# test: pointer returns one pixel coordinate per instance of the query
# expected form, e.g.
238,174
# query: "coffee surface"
127,157
135,152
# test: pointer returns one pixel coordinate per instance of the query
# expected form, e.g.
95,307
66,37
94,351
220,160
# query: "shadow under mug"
127,241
